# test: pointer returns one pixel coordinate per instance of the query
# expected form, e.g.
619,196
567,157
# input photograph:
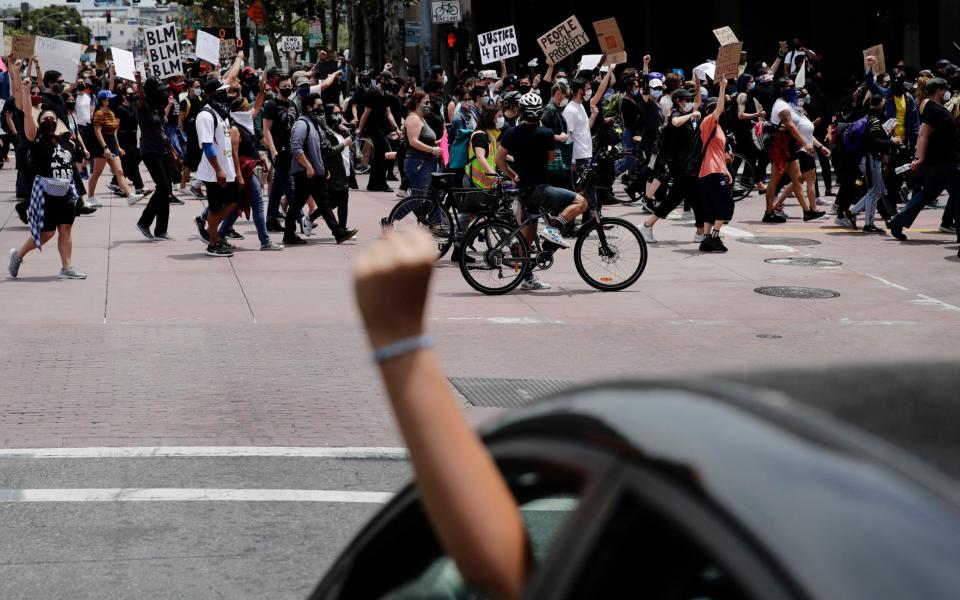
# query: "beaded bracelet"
401,347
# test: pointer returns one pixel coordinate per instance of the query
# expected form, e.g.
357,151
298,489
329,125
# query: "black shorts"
808,162
219,197
717,197
57,210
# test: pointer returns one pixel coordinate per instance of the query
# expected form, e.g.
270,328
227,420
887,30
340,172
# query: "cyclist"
532,147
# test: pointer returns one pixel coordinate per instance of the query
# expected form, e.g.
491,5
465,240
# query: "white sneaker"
843,222
307,225
552,235
697,238
71,273
134,198
687,215
402,193
647,233
534,284
93,202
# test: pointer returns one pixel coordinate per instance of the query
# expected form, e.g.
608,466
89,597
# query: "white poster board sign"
208,47
58,55
725,36
163,51
445,11
124,64
498,45
705,70
563,40
291,43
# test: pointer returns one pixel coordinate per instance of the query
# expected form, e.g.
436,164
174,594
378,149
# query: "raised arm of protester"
465,496
646,64
16,86
503,75
548,76
697,98
230,77
141,96
112,78
261,96
29,122
871,79
36,62
597,97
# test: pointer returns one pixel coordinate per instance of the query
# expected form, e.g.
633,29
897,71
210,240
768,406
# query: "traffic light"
109,16
453,39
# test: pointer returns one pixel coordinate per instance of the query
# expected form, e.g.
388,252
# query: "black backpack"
696,151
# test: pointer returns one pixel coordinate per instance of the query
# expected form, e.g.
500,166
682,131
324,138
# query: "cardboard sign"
728,61
445,11
23,46
611,41
880,65
59,55
228,51
725,36
563,40
163,51
291,43
498,44
208,47
124,64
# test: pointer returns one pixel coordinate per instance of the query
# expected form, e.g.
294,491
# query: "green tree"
56,22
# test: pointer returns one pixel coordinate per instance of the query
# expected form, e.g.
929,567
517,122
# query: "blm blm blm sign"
498,44
163,51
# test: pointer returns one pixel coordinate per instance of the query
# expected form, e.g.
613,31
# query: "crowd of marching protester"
279,146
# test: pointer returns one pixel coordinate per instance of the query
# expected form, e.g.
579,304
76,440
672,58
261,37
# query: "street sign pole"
236,17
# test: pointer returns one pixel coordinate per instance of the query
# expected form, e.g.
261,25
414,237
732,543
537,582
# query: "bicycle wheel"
421,211
743,183
619,265
362,151
492,261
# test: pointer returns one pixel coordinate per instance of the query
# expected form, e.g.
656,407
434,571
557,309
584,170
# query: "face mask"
790,95
562,80
805,100
220,96
564,102
947,95
656,93
57,88
285,92
444,79
524,89
751,85
243,119
501,122
132,98
303,91
36,100
177,87
336,118
71,105
688,107
48,126
587,95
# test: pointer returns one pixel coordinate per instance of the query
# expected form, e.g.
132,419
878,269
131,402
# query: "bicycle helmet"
655,75
511,98
531,106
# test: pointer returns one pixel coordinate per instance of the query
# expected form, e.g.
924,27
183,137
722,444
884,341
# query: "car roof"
846,511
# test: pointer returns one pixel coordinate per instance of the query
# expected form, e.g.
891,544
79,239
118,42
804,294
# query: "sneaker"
22,212
834,209
196,192
145,232
271,246
87,209
534,284
145,191
948,229
202,228
780,213
218,251
402,193
645,204
116,189
697,238
175,200
349,234
226,244
647,233
274,226
92,201
712,244
133,199
294,241
13,267
812,215
772,217
233,234
552,234
687,215
822,202
163,237
307,226
71,273
851,218
873,229
896,230
844,222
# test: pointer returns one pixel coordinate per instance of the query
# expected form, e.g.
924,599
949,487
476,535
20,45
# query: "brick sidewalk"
163,345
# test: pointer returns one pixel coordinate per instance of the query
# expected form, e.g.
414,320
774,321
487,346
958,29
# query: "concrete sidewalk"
162,345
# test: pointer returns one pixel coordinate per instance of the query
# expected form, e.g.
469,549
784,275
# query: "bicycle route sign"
445,11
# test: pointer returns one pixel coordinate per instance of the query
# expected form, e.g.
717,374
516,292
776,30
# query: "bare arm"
258,103
414,126
231,76
464,494
363,119
29,123
548,76
503,165
235,144
112,78
604,83
925,131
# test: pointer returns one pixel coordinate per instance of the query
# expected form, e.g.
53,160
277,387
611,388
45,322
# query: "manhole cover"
804,262
507,393
778,241
788,291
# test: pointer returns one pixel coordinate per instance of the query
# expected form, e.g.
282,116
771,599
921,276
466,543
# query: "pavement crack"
7,220
236,275
106,285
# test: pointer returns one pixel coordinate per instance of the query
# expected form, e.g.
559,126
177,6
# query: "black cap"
212,86
682,94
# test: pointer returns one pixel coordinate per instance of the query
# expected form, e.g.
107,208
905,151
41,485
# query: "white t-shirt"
666,106
778,107
84,108
804,125
211,129
578,128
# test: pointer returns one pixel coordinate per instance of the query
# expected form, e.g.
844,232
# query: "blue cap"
105,95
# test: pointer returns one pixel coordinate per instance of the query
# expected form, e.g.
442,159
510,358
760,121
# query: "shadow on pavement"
39,279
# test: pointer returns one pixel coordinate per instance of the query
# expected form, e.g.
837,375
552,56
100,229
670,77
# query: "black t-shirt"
153,135
50,159
765,95
283,114
377,103
331,93
127,132
396,108
677,141
943,145
530,145
553,119
191,106
649,123
630,111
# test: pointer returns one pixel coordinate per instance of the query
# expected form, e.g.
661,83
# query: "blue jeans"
936,178
256,213
418,171
877,190
282,184
627,163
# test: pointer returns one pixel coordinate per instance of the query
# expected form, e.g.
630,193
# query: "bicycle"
442,209
497,257
360,156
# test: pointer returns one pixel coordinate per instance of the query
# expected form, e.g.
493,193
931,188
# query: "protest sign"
291,43
124,64
208,47
725,36
704,71
611,41
23,46
163,51
58,55
880,65
228,52
589,62
563,40
728,61
498,44
445,11
801,79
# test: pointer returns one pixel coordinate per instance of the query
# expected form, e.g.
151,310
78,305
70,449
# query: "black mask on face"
285,92
48,126
132,98
524,88
897,88
71,104
56,88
